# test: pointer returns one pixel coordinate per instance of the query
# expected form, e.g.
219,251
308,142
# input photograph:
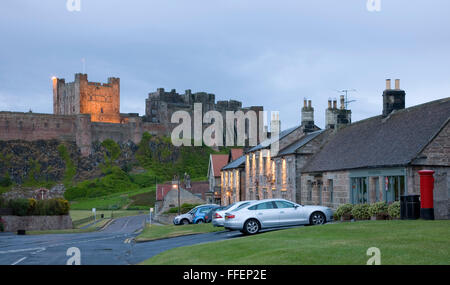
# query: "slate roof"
268,142
235,164
380,142
292,148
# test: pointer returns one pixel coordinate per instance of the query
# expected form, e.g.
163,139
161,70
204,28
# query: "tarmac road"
111,246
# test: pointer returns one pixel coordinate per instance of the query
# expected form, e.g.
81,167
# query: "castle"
86,112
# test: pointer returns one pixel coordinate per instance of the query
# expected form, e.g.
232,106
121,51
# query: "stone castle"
86,112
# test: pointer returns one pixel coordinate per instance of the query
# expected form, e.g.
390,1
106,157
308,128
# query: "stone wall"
37,223
171,200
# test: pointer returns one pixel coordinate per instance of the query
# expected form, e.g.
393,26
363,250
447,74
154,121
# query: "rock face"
40,160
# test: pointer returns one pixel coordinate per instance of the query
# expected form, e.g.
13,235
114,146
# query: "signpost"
151,212
93,211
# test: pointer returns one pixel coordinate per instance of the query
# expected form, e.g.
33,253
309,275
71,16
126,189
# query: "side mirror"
296,206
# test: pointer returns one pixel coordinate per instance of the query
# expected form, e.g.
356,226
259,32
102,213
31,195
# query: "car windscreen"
228,207
243,205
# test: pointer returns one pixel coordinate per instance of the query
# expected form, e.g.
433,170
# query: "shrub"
3,202
378,208
361,212
343,209
19,206
5,181
394,210
2,227
51,207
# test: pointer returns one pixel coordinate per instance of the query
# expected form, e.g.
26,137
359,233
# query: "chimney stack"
308,116
397,84
342,102
388,84
393,99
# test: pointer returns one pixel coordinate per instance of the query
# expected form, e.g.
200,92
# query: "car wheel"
317,218
251,227
185,222
199,222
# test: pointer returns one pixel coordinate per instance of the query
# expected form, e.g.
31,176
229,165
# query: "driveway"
111,246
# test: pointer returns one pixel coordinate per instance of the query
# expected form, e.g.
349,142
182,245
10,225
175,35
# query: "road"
111,246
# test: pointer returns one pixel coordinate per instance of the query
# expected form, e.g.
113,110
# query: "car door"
267,214
290,214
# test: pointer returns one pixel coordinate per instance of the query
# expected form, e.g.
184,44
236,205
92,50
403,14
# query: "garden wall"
36,223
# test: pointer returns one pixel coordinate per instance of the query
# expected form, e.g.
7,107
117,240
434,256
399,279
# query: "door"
289,214
267,214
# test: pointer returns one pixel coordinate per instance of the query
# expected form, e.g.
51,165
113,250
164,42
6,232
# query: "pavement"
114,245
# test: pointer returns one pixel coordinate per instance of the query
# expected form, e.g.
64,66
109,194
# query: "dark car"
209,215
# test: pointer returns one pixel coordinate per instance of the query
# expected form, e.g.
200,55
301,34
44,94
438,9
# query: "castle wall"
33,126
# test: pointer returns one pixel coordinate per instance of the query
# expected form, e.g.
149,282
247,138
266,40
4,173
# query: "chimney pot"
342,102
304,103
309,104
388,84
334,104
329,104
397,84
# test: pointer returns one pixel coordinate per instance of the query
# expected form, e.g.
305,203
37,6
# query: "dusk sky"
270,53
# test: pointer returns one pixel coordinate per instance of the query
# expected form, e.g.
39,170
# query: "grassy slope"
141,199
158,232
400,242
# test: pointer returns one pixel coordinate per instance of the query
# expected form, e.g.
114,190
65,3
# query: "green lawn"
400,242
154,232
79,217
141,199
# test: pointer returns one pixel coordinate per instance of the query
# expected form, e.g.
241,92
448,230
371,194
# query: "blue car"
201,215
197,215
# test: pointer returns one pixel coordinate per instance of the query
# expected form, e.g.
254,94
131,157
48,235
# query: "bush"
184,208
5,181
51,207
343,209
394,210
361,212
3,202
2,227
379,208
19,207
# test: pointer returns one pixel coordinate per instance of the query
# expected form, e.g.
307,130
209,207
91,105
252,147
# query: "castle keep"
101,101
86,112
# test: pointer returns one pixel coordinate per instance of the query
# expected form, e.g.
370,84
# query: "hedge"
32,207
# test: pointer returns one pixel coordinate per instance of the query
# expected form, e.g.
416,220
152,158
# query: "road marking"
39,249
18,261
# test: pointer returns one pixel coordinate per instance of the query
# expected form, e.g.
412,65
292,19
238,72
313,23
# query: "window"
330,189
101,110
265,206
394,188
284,204
309,190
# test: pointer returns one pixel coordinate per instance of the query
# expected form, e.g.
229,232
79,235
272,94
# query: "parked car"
271,213
218,218
194,216
209,216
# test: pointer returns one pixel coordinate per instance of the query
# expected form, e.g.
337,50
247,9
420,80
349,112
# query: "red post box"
426,194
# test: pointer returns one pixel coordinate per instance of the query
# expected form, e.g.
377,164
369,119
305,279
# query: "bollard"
426,194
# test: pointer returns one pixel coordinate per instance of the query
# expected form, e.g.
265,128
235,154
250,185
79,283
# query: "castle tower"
101,101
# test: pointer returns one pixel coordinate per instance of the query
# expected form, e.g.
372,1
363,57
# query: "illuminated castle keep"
101,101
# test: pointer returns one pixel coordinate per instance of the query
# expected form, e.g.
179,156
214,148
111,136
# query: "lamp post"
176,185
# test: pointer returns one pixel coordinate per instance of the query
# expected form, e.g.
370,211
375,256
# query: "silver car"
271,213
218,218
